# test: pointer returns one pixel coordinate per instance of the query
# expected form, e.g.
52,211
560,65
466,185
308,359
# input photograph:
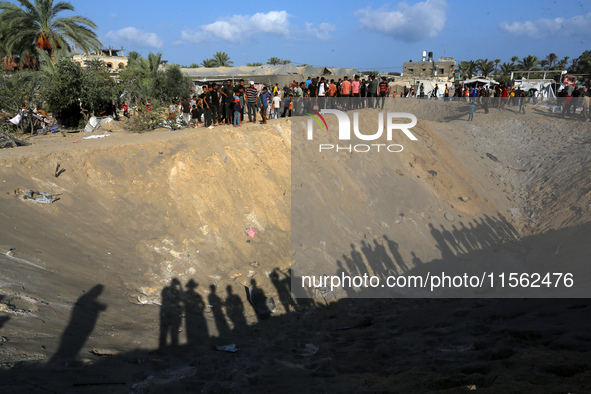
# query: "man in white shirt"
276,105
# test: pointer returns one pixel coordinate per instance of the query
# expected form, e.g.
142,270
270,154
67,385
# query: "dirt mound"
148,243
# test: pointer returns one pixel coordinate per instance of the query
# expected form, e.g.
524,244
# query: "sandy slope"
137,211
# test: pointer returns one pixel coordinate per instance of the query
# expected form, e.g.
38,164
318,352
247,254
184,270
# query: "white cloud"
322,32
579,25
408,23
240,27
131,36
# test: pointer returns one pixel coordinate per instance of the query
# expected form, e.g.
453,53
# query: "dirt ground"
134,279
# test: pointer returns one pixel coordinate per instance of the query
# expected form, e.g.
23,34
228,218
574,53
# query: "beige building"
443,69
114,58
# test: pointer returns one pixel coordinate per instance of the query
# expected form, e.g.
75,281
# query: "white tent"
543,86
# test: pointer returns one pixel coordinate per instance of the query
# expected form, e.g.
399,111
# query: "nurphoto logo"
345,128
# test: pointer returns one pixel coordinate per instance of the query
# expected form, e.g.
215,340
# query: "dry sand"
137,211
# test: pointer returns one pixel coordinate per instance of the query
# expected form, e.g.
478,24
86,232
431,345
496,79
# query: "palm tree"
528,63
286,61
209,63
506,69
274,61
497,61
468,68
154,61
254,64
514,59
222,59
486,67
551,59
544,63
38,25
562,63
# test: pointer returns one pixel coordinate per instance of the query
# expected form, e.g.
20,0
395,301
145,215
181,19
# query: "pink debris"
250,232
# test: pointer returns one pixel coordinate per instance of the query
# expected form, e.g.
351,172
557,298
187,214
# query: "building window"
109,65
121,66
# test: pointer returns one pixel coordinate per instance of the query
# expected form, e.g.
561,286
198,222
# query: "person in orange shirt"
332,92
346,93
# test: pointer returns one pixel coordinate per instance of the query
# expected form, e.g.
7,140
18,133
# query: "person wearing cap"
251,102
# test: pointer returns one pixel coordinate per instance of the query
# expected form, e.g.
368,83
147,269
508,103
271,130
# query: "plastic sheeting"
95,123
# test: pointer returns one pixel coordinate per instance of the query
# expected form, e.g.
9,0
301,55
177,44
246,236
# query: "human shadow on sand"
82,321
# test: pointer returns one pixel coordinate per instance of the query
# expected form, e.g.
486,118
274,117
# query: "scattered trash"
449,217
95,136
472,387
54,129
40,197
58,172
255,264
464,199
3,339
251,232
399,172
95,123
251,273
557,249
492,157
227,348
432,172
515,213
225,159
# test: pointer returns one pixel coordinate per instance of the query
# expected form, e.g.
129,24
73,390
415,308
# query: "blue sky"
375,35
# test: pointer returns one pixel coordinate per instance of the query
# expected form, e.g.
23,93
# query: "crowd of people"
240,103
236,103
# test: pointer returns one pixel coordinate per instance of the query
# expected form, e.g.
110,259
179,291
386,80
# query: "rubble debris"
7,141
40,197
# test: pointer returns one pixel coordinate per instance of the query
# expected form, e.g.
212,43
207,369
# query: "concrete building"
114,58
442,69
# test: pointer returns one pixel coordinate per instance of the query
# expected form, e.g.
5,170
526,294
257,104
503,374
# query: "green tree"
514,59
563,63
209,63
274,61
254,64
506,69
528,63
222,59
551,59
170,84
468,68
544,63
38,25
486,67
285,61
